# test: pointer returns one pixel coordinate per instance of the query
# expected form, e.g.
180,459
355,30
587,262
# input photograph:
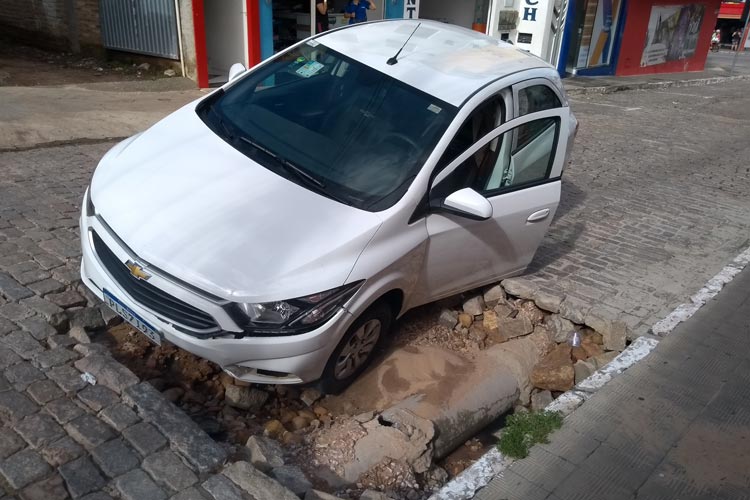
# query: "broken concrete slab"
555,371
520,287
548,300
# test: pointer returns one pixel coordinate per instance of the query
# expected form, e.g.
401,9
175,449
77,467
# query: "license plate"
149,331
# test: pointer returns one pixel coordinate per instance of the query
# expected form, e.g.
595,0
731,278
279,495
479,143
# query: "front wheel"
356,349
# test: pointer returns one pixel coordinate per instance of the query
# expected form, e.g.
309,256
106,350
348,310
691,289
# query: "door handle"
538,216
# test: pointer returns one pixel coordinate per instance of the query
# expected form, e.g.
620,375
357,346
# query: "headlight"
294,316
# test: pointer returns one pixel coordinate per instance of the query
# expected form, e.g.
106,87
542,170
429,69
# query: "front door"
517,168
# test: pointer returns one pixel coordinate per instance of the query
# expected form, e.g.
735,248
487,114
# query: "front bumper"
273,360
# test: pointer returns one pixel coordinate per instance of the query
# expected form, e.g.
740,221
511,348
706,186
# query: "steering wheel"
402,138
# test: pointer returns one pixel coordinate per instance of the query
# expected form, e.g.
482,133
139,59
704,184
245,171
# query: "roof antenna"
393,60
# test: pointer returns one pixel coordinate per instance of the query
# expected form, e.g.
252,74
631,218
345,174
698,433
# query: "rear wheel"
356,349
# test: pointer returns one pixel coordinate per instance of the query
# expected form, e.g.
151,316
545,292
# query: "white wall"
459,12
225,34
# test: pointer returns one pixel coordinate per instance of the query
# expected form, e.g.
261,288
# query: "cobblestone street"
655,202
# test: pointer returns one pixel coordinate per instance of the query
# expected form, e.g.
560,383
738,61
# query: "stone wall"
67,25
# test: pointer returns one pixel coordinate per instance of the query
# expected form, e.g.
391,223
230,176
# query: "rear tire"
356,349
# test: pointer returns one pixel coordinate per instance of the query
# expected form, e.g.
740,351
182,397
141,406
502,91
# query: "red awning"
731,10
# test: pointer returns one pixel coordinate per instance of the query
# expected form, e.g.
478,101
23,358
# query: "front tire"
356,349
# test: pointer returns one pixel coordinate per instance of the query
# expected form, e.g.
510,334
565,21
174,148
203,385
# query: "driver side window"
485,118
521,156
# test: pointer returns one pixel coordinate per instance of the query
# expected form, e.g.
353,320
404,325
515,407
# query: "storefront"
591,36
732,16
666,36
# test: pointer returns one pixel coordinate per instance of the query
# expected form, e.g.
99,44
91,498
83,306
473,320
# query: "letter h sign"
529,13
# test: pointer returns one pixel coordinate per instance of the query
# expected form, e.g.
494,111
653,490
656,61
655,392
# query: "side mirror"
468,203
236,70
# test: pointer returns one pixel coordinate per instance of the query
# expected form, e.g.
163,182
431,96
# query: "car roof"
443,60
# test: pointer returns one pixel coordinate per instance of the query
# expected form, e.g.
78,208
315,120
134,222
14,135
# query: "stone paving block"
44,391
43,307
54,357
22,375
51,488
60,341
255,483
22,344
99,495
23,468
15,311
68,378
39,430
136,485
39,328
63,410
115,458
89,430
183,434
67,299
12,289
14,406
82,477
189,494
10,442
6,326
167,468
4,384
221,488
46,286
108,372
119,416
145,438
62,451
88,318
98,397
8,358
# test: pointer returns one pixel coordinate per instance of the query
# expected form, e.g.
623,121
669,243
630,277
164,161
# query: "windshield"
331,124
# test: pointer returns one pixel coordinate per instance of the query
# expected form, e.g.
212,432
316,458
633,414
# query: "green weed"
524,430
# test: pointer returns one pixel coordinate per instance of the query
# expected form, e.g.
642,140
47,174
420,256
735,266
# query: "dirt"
25,66
424,350
197,386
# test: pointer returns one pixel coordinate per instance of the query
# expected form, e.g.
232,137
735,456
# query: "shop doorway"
226,37
285,22
471,14
592,39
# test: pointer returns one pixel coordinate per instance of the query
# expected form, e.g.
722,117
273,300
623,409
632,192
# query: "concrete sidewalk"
718,69
675,426
38,116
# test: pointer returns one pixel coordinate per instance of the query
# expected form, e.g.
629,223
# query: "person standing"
736,39
356,11
321,16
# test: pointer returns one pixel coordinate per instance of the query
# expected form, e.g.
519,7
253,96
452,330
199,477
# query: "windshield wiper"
289,167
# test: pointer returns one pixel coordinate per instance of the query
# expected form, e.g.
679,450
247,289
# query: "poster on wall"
672,33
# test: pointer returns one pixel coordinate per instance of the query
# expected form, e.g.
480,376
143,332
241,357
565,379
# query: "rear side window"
536,98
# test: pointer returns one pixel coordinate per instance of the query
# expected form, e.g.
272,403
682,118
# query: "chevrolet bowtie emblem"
137,271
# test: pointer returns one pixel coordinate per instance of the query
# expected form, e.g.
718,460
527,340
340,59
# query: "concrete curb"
492,463
610,89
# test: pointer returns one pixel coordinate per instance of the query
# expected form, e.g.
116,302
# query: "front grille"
150,297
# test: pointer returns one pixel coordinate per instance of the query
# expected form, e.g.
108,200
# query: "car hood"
188,203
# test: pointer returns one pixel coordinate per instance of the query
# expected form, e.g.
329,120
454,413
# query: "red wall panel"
636,31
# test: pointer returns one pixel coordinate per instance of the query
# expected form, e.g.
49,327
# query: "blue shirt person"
356,10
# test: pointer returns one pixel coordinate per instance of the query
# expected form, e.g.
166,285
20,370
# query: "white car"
279,226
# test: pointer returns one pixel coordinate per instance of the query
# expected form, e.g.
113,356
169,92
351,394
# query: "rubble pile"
288,433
